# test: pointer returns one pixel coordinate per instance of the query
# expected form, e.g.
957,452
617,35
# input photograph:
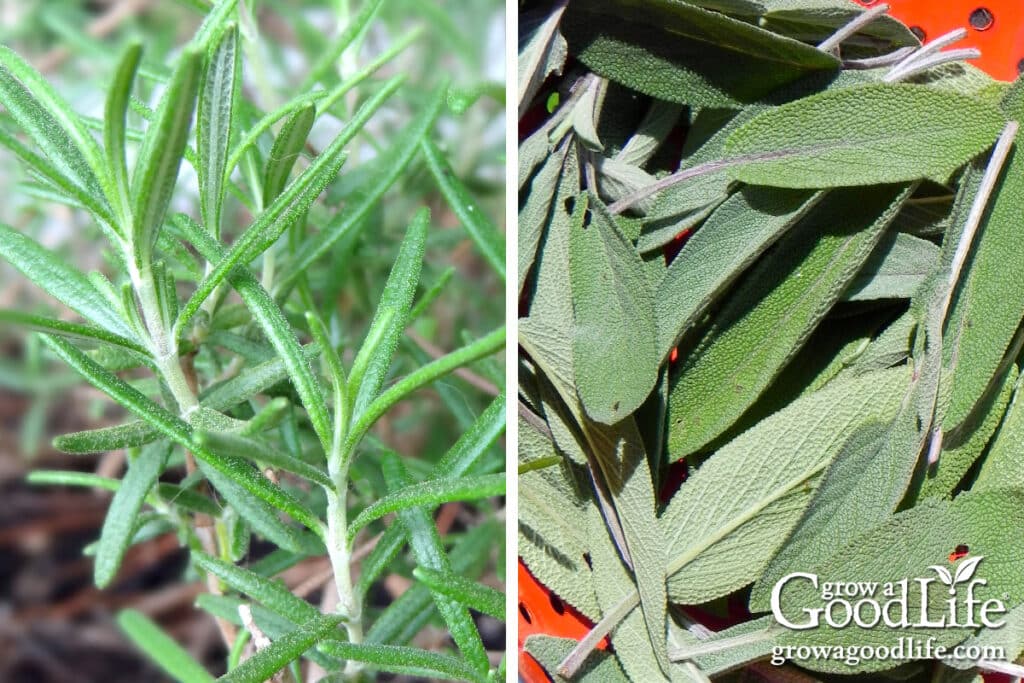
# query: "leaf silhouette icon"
965,570
943,573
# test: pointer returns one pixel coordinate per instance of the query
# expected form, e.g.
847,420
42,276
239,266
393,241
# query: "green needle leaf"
114,122
370,367
273,594
479,226
288,146
53,126
265,663
171,657
392,164
156,170
470,593
119,525
432,492
178,431
426,546
66,329
423,376
409,661
69,286
217,95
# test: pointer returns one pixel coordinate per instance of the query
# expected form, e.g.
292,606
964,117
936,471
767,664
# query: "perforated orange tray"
996,27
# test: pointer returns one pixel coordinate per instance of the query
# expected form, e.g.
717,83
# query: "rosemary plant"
256,334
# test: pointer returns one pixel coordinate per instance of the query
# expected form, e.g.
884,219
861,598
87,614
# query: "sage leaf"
1001,466
678,52
769,317
896,269
876,133
541,53
614,333
732,237
599,666
984,521
731,516
988,298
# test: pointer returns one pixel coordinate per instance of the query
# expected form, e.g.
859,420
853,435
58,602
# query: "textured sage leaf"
156,169
287,148
847,502
657,123
735,234
429,493
895,270
634,645
267,662
772,313
990,295
171,657
477,596
906,546
1009,637
619,453
599,666
114,120
481,229
1001,466
962,447
217,94
119,524
542,53
371,365
876,133
273,594
614,354
725,650
69,286
678,52
178,431
732,515
551,303
421,533
409,661
393,163
550,516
